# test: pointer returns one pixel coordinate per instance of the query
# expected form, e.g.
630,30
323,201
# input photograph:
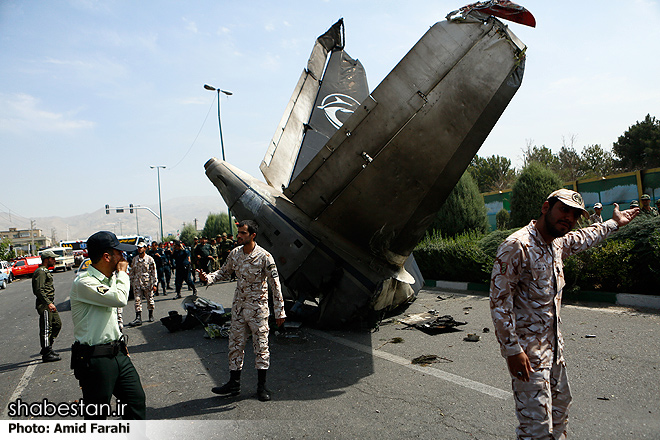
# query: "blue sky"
94,92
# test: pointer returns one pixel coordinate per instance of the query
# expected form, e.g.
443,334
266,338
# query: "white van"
64,260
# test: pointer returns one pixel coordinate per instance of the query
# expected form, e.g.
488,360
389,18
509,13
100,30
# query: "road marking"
20,387
449,377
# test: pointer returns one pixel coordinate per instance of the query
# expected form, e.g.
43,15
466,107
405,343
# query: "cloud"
20,114
191,25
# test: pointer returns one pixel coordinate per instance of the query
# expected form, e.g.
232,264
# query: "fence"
617,188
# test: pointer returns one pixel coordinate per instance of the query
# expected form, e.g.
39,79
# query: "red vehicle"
25,266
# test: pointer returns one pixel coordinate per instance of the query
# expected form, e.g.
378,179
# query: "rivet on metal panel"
348,133
366,157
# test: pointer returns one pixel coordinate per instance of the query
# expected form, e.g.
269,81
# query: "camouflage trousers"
542,403
249,318
148,295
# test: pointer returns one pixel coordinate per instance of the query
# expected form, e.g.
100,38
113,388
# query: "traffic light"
130,208
107,209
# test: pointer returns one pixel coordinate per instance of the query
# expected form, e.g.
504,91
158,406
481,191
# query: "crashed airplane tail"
351,191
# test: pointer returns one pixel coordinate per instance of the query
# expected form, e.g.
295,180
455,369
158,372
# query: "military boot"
233,387
151,316
137,321
263,393
48,355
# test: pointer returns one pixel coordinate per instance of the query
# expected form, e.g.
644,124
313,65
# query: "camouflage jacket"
143,272
526,290
253,272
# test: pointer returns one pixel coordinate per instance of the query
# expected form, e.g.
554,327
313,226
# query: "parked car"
25,266
4,280
5,267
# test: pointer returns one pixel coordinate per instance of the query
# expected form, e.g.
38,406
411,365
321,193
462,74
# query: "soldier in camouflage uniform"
144,282
646,208
255,270
525,300
50,323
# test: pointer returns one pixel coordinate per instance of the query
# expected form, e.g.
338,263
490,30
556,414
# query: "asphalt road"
349,385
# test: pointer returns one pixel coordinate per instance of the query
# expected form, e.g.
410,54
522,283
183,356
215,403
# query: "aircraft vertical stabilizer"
353,187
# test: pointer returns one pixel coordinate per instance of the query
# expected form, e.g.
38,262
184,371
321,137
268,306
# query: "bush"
605,267
529,192
645,255
492,241
464,210
628,261
502,219
456,258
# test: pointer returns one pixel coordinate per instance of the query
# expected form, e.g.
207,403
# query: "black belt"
111,349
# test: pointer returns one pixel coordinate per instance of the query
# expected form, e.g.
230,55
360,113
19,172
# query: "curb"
619,299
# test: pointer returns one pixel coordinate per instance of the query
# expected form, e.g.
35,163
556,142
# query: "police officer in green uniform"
50,323
99,356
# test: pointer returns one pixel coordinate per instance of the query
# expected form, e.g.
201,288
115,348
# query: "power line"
198,133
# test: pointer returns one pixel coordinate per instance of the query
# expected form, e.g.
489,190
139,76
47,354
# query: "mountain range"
176,213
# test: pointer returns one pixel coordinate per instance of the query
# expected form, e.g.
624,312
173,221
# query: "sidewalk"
619,299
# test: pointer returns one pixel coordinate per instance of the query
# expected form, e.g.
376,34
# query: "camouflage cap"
634,204
48,254
570,198
598,206
645,197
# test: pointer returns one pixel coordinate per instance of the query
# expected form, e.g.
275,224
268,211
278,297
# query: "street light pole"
160,206
222,145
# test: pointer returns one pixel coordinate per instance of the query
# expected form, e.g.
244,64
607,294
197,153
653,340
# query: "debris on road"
396,340
290,333
199,311
472,337
217,331
428,359
431,323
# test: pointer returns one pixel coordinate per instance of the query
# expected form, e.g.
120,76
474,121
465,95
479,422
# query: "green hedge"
628,261
456,258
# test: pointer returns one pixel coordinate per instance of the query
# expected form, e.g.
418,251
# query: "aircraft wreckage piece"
355,178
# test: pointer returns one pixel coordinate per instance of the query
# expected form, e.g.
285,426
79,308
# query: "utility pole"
32,224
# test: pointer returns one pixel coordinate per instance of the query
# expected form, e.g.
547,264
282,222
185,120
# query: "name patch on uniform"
102,289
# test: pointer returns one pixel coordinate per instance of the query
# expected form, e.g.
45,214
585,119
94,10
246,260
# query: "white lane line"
449,377
20,387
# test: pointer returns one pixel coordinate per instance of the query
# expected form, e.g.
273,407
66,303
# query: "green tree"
541,155
502,219
492,173
216,224
597,162
531,189
188,234
639,147
5,253
464,210
570,164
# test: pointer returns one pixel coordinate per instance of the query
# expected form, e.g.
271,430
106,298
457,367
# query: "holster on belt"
81,354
